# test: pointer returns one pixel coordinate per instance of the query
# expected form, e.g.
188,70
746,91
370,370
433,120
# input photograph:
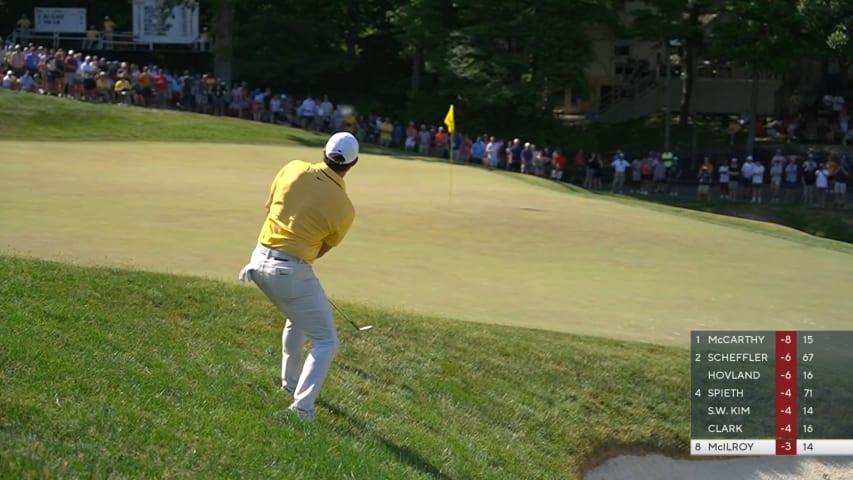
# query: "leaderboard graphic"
771,393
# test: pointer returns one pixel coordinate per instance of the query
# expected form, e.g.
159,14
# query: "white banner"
180,26
60,20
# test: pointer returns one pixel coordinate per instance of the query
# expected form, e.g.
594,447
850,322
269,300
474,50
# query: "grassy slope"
49,118
501,251
111,373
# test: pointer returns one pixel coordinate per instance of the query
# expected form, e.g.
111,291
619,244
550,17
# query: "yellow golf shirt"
309,207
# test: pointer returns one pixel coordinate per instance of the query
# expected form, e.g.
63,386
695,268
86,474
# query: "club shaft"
344,314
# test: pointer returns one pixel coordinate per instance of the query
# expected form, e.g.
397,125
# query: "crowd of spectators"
79,76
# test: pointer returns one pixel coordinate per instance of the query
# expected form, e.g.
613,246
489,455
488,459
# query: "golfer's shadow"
402,452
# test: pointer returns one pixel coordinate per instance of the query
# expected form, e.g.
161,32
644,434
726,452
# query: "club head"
366,327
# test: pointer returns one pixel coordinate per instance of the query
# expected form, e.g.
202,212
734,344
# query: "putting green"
498,251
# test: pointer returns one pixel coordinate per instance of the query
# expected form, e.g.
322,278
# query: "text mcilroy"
731,446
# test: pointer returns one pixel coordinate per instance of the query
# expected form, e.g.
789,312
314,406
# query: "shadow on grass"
404,453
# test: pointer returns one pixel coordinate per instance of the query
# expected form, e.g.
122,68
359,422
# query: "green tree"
829,26
758,34
505,62
663,20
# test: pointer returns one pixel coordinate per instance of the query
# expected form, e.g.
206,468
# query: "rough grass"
117,374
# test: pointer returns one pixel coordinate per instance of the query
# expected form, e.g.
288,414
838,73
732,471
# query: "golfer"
308,213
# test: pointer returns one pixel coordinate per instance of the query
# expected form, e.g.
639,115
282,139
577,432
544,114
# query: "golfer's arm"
269,202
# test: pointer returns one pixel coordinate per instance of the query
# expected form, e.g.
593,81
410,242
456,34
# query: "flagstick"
450,190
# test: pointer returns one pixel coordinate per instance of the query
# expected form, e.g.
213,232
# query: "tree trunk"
417,70
223,52
753,114
843,68
687,85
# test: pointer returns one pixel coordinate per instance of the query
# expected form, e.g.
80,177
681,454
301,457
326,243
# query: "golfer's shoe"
286,390
303,414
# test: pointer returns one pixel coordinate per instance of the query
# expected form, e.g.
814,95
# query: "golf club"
362,328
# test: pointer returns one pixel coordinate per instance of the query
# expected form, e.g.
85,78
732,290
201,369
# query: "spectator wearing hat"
123,90
527,159
441,139
10,81
24,28
620,165
515,156
91,37
104,87
109,31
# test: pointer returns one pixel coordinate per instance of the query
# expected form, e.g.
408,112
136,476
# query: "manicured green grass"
112,373
496,250
50,119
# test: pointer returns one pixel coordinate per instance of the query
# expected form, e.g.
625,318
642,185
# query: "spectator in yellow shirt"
104,84
109,28
24,25
385,131
123,90
91,37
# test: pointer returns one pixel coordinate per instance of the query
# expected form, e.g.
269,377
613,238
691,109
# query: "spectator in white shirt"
326,107
757,181
724,180
777,168
746,170
10,81
620,165
791,175
821,184
306,111
275,108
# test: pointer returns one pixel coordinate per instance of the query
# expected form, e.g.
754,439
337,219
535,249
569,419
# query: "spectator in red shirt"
161,88
558,164
441,142
465,148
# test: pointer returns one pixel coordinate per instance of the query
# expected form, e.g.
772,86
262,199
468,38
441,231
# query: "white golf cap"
342,148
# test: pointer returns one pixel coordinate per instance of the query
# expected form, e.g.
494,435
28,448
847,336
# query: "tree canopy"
505,63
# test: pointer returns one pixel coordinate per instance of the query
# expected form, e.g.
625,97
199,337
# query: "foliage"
758,34
829,25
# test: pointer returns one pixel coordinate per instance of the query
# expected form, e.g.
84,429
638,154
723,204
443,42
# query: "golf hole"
661,467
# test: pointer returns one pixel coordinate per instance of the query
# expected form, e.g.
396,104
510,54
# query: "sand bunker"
659,467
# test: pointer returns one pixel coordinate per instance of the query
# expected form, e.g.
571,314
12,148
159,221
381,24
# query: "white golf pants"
293,288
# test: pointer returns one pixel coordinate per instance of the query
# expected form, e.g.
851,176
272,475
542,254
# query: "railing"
103,40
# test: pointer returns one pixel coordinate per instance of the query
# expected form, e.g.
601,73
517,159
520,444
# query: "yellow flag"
448,120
